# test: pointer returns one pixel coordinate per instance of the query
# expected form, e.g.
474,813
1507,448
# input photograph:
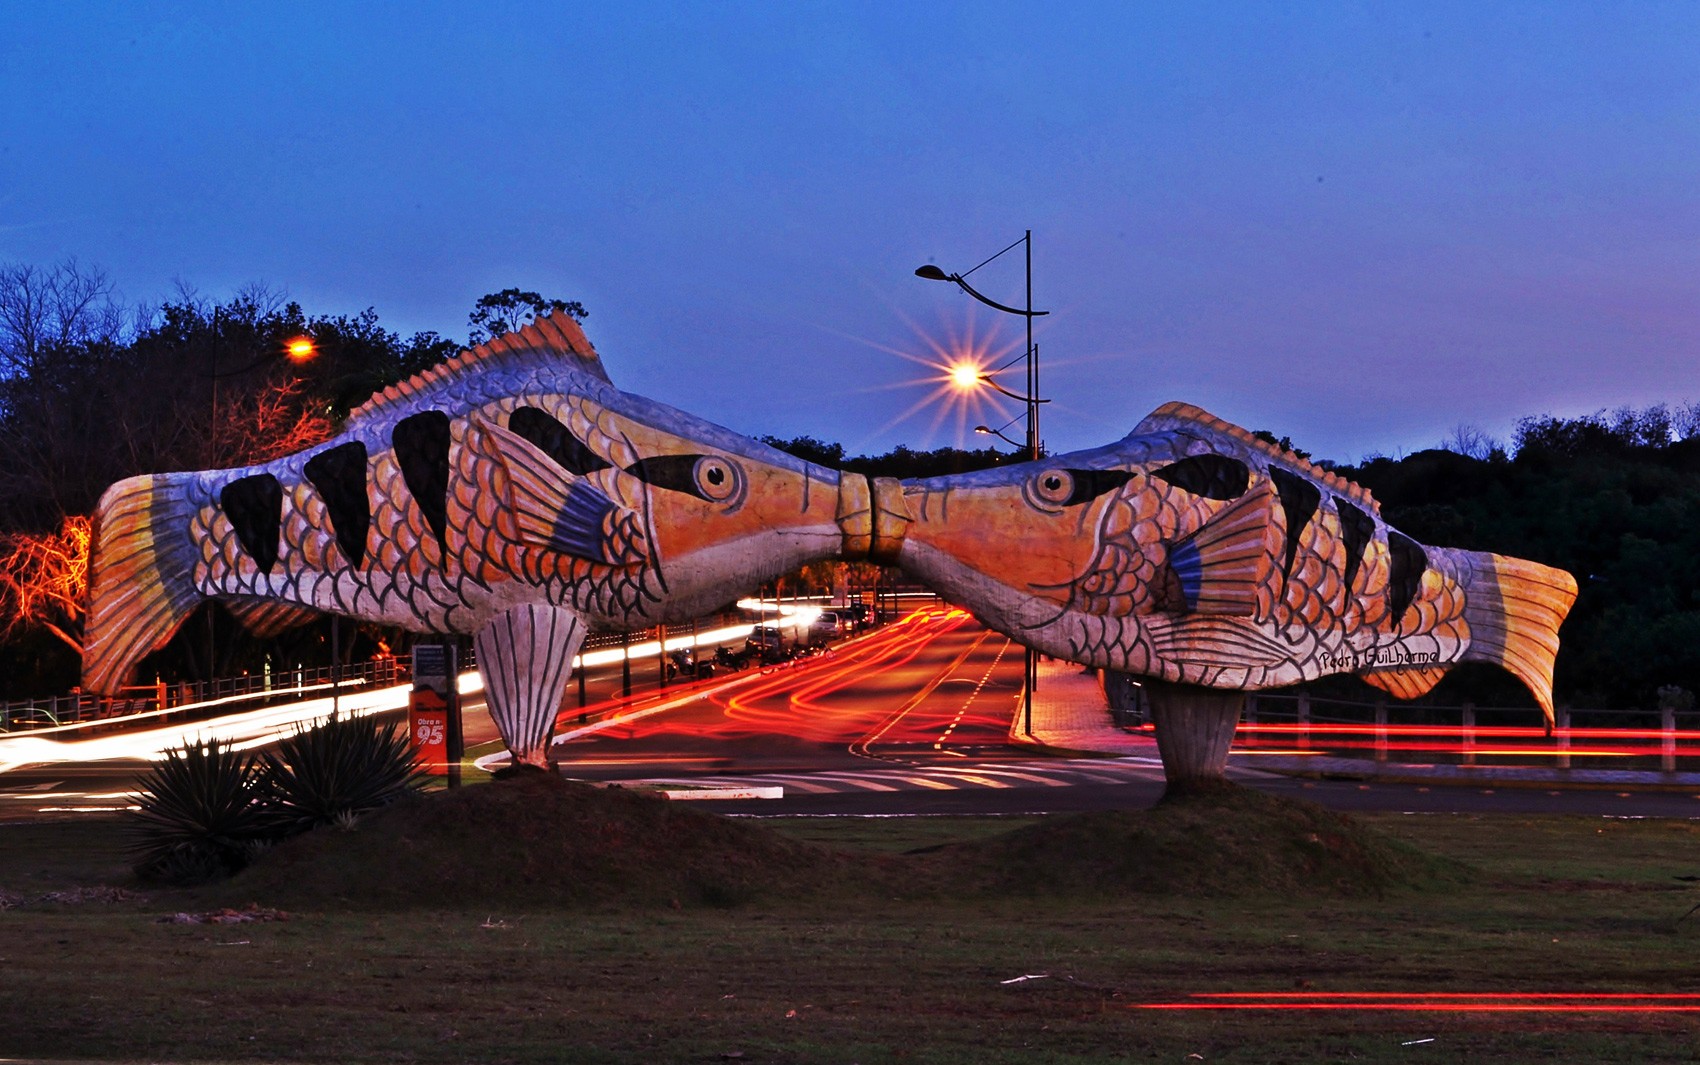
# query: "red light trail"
794,700
1437,1001
1289,738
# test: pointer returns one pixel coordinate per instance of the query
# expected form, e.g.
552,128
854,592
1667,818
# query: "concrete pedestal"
524,656
1195,727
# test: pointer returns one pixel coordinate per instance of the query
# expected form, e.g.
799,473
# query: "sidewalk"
1072,715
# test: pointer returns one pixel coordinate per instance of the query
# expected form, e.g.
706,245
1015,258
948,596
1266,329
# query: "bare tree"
1472,441
1685,421
44,581
46,310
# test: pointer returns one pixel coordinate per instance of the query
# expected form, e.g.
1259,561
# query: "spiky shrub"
340,768
200,814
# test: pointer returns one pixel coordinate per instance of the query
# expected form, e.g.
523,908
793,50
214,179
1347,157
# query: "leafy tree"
511,310
1614,498
809,449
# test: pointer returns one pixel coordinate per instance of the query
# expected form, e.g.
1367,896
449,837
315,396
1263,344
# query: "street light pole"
1032,363
1030,398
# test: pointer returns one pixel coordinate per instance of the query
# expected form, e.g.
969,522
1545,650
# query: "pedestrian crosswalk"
898,778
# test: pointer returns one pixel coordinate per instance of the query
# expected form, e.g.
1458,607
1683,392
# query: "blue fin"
1223,563
554,508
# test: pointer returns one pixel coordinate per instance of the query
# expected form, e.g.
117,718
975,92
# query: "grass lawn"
878,941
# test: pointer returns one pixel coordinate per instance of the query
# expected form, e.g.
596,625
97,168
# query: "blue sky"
1358,225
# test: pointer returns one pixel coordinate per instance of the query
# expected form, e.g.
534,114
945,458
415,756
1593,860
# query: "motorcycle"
682,662
726,658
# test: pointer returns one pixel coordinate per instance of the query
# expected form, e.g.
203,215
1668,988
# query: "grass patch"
535,924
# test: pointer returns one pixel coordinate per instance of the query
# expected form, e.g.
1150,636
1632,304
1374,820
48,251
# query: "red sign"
428,725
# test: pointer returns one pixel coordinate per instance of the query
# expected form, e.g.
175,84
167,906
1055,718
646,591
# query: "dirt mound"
534,840
1218,842
538,841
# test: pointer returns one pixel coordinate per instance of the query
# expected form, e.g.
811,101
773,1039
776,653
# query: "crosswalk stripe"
1032,778
940,778
928,782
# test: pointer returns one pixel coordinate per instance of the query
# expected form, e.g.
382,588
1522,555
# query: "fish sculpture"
512,493
1195,553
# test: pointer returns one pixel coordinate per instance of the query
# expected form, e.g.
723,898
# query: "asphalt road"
910,720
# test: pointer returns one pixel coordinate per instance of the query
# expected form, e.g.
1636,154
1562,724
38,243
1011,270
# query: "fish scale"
1195,553
430,481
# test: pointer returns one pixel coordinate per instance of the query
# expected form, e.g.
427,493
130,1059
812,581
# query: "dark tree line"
900,462
92,391
1613,498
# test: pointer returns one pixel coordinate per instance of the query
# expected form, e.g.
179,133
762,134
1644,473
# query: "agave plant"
343,767
201,816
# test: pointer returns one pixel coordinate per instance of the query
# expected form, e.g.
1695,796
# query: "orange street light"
300,349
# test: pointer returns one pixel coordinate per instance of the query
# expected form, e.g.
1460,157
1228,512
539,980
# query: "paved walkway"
1072,714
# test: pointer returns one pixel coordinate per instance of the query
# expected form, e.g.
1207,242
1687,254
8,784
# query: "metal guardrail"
83,708
1286,723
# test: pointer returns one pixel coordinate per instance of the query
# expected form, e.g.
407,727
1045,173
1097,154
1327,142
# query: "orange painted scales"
512,493
1194,553
515,494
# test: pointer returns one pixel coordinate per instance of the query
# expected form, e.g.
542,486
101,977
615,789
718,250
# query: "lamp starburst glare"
300,349
965,375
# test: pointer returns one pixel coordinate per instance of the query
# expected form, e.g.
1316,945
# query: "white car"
825,628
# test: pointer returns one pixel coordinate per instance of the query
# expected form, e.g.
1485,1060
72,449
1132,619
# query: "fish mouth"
873,517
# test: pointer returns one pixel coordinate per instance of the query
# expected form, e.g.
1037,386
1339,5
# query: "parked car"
766,642
825,628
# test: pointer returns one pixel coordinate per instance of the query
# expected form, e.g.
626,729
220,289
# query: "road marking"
928,783
1031,778
860,747
990,776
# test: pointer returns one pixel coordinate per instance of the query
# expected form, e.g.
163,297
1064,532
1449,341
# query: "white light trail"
248,729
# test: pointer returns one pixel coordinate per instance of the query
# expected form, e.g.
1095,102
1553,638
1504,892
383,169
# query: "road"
911,719
933,686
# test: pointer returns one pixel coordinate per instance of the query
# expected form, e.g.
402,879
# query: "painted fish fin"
557,510
1193,639
1405,683
1180,417
1221,566
525,655
266,618
141,575
1514,608
556,338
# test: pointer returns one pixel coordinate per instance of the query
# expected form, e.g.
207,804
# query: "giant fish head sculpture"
1195,553
512,492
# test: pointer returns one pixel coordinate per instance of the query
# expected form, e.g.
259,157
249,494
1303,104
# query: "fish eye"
1055,487
716,479
1063,487
710,477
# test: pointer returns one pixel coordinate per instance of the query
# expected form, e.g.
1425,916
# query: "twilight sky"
1358,225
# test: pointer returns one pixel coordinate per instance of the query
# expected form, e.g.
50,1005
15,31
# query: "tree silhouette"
511,310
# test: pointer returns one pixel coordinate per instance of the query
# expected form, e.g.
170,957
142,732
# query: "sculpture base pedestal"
524,656
1195,727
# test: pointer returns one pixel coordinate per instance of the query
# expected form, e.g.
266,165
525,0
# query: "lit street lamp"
971,377
988,430
968,378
